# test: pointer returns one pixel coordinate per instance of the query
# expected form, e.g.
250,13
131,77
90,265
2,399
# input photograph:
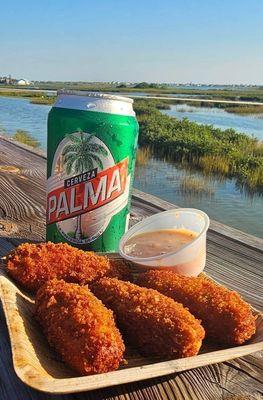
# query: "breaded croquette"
79,327
225,316
33,264
119,269
153,323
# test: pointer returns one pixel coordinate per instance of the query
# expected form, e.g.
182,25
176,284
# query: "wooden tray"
37,365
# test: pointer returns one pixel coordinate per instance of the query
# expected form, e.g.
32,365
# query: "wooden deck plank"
234,258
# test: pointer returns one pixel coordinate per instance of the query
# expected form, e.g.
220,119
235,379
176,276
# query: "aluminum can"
91,151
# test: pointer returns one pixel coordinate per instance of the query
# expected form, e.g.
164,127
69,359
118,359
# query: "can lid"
106,96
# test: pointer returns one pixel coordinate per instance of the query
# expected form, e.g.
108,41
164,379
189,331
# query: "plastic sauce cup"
190,259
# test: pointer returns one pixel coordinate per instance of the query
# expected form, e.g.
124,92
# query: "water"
249,124
216,87
222,201
18,113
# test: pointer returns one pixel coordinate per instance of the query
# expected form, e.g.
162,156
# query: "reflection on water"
250,124
219,198
196,186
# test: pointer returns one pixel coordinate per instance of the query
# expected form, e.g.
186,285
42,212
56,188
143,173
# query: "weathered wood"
23,191
233,259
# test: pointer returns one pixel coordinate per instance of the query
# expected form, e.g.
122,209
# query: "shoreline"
215,151
225,153
242,107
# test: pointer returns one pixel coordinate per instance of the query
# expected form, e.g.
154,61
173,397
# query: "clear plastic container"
190,259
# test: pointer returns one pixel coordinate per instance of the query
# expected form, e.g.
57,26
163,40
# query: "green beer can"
92,142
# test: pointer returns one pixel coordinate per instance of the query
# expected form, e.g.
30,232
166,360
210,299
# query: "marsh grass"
224,153
244,109
248,94
25,138
21,93
44,100
143,155
213,164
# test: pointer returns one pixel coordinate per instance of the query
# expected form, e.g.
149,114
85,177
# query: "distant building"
23,82
4,80
9,80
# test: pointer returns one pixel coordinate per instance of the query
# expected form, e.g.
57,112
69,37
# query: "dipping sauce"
155,243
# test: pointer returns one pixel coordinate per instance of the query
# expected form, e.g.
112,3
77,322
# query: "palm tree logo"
81,155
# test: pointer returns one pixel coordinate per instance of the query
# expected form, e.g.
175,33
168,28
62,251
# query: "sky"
201,41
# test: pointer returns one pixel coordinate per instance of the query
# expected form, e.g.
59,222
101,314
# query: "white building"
23,82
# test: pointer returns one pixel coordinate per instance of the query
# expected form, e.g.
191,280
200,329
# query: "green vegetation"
243,109
48,100
226,153
145,85
35,97
25,138
21,93
243,94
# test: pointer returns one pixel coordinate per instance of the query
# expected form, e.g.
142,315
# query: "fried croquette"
119,269
33,264
79,327
155,324
226,317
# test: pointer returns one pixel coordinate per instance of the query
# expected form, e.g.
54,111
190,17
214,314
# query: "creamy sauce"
155,243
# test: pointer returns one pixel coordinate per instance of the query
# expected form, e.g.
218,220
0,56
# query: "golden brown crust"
119,269
153,323
33,264
225,316
79,327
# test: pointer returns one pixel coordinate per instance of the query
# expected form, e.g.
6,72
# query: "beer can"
91,152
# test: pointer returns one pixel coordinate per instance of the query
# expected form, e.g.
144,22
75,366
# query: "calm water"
222,201
250,124
21,114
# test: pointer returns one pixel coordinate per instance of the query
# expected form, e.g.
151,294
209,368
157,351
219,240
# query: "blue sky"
205,41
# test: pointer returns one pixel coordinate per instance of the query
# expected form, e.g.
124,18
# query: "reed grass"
143,156
25,138
244,109
226,153
214,164
44,100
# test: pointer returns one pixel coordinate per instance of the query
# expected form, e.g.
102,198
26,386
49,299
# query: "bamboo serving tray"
38,366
